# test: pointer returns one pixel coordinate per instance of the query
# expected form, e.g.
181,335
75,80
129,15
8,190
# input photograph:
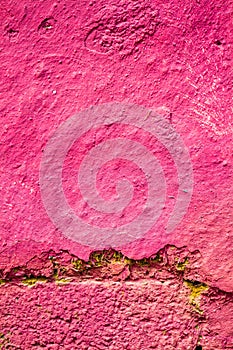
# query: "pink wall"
159,75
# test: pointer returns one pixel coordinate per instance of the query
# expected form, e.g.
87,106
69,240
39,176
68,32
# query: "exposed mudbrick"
105,265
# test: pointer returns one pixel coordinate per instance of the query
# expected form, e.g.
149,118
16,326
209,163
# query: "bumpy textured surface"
58,58
105,315
58,301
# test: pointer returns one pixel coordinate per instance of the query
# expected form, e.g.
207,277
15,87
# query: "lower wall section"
91,315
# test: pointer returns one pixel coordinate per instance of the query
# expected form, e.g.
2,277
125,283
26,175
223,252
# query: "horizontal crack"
168,263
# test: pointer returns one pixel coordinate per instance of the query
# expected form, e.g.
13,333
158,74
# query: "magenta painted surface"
108,315
60,58
181,67
132,177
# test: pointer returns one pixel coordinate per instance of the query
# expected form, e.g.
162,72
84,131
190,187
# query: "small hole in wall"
46,23
12,33
218,42
47,26
198,347
196,283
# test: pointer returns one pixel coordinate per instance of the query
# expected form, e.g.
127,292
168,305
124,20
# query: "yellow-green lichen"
78,265
4,340
100,259
62,280
97,259
196,289
181,265
31,281
157,259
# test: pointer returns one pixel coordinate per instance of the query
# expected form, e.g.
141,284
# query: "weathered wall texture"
161,290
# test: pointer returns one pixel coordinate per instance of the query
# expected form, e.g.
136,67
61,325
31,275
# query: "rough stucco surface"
110,315
58,301
58,58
